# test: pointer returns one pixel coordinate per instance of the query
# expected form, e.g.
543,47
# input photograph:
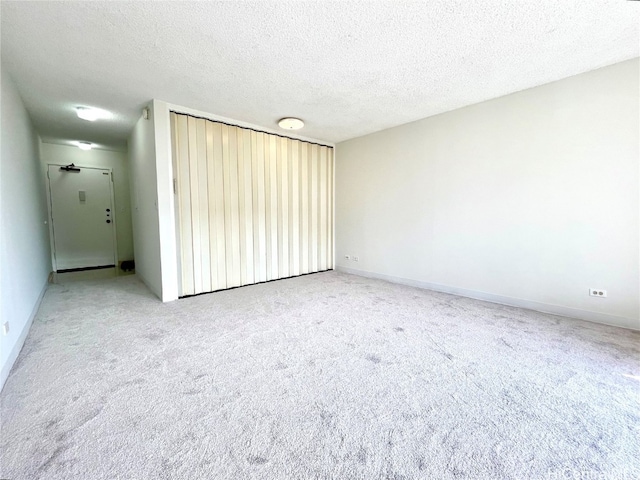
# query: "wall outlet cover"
597,292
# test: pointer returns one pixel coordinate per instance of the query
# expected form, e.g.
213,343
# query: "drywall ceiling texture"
346,68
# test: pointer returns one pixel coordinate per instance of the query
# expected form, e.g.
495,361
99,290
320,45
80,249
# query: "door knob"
108,221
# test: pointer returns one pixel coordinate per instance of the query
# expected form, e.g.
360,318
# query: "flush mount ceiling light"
90,114
290,123
84,145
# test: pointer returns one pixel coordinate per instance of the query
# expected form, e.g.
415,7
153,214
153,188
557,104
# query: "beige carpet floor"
326,376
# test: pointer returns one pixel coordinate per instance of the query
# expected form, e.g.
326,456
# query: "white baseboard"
15,351
596,317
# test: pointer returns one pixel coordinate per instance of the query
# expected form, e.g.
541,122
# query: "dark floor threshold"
84,269
257,283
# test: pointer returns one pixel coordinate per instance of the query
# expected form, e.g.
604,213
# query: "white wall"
529,199
66,154
166,204
24,236
144,204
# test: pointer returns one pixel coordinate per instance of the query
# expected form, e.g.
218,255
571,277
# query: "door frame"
54,263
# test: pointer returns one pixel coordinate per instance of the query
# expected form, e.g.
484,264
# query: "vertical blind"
251,206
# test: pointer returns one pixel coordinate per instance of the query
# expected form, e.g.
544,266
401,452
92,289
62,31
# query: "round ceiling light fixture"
290,123
84,145
89,114
92,114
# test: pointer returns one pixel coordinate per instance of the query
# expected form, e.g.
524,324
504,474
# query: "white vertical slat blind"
252,206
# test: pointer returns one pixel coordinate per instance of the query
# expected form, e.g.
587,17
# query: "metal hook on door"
70,168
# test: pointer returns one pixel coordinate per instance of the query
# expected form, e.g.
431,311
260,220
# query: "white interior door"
83,219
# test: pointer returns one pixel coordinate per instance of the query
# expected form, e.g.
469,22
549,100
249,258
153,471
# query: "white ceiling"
346,68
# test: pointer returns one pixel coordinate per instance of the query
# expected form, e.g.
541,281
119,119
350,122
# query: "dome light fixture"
89,114
290,123
84,145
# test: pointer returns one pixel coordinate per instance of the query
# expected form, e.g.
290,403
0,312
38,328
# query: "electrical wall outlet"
5,328
596,292
347,257
356,259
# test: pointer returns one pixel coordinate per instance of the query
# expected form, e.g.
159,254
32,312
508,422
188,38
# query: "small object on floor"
127,265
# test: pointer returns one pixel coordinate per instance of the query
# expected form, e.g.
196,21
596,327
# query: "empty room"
320,240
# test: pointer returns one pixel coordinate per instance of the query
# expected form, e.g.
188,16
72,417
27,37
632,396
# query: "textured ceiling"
346,68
